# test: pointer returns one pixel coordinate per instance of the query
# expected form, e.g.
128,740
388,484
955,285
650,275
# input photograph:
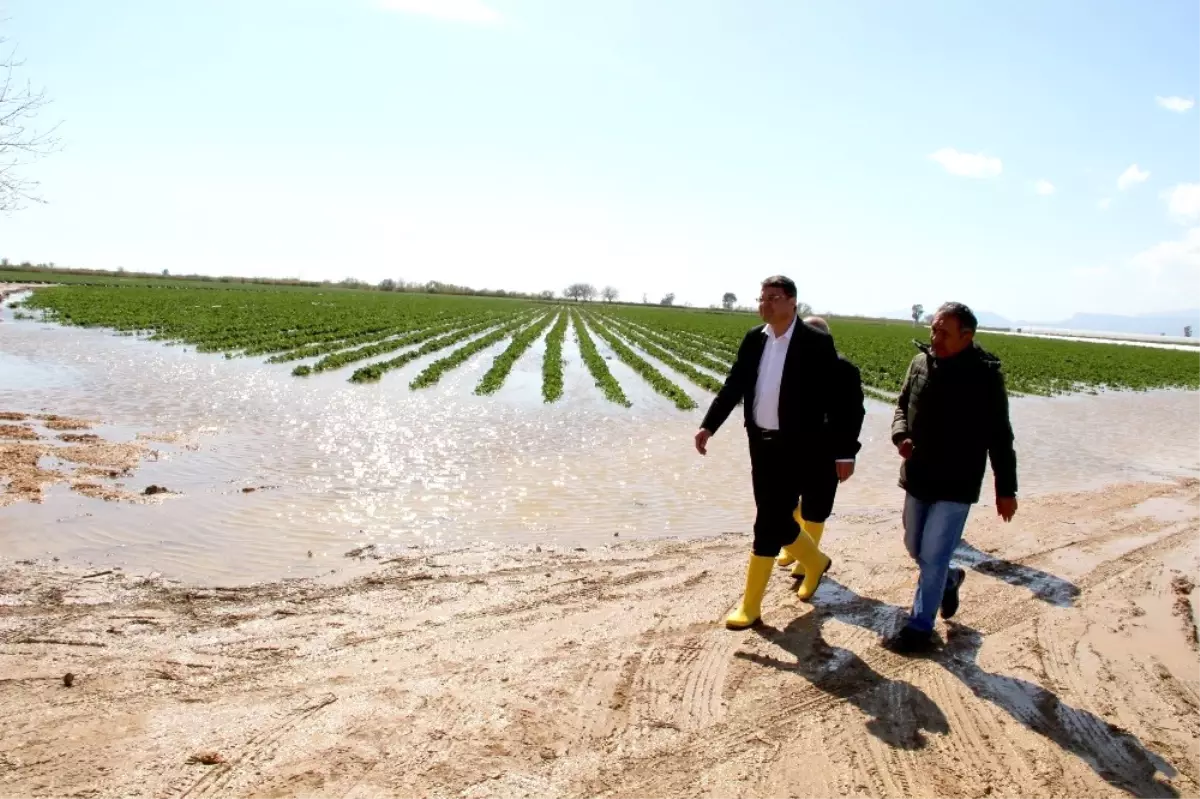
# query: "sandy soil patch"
1069,671
18,432
27,469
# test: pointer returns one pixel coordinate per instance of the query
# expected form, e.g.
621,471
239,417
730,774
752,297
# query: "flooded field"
335,466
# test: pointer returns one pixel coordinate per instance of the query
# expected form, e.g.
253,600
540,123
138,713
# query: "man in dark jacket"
818,502
779,375
951,416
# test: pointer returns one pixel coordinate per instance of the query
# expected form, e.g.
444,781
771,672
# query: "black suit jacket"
817,406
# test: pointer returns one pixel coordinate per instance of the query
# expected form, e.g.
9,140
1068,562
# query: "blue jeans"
932,531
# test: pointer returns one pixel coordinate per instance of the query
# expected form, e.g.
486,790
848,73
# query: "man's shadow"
900,712
1045,586
1115,755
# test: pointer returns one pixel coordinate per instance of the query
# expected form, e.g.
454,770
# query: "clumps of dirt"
1183,587
19,466
151,490
23,477
175,437
106,493
19,432
103,453
56,422
206,758
78,438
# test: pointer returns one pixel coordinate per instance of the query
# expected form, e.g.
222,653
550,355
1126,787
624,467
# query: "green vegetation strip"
655,343
251,319
654,377
596,365
434,371
372,372
502,364
552,363
340,359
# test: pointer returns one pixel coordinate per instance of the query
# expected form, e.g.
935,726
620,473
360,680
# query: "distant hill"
1171,323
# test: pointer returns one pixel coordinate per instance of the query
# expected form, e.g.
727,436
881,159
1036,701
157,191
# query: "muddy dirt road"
1071,670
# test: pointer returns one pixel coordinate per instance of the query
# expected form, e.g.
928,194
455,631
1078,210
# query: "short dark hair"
781,282
964,315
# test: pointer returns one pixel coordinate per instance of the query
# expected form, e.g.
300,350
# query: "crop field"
367,334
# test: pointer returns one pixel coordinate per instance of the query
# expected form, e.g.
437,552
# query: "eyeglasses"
772,298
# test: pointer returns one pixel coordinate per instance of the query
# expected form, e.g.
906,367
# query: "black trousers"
784,476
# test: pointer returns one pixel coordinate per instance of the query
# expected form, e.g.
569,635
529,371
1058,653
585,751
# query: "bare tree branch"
20,142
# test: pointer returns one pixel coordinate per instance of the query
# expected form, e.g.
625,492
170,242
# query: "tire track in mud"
996,620
256,749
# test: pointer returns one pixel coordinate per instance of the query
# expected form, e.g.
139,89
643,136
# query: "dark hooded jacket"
955,411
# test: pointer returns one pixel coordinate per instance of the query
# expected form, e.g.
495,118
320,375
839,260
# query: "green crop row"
673,353
552,362
655,378
502,364
434,371
596,365
372,372
340,359
296,322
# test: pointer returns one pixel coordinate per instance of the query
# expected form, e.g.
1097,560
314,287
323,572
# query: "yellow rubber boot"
785,558
748,613
814,561
813,530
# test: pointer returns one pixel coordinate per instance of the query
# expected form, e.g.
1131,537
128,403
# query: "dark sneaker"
950,596
910,641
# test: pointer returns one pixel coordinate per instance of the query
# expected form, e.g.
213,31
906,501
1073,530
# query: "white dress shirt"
770,374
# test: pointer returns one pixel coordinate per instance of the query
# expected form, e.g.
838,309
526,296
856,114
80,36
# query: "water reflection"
342,465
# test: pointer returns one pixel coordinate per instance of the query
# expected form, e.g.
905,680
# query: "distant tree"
166,273
927,319
610,294
387,284
120,269
645,299
729,300
917,310
3,262
1187,331
547,294
579,291
803,309
669,299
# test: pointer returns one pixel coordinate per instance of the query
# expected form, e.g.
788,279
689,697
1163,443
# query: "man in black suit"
796,428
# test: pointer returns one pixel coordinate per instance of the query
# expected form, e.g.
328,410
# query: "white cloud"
1104,204
967,165
1170,255
1177,104
1044,187
470,11
1131,176
1183,203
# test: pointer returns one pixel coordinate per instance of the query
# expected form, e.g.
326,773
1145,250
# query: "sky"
1030,159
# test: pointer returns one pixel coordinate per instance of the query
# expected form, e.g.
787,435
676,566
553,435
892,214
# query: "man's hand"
1006,507
702,437
845,470
906,448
